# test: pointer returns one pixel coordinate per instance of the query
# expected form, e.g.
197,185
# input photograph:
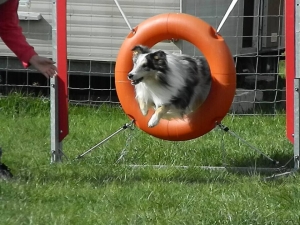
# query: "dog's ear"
140,49
159,55
159,58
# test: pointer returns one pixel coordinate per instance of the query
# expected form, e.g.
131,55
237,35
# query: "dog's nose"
130,75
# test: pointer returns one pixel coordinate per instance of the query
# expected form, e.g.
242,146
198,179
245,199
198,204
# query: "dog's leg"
159,113
143,106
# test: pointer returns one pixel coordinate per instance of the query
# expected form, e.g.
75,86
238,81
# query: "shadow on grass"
279,160
83,172
80,173
100,171
261,165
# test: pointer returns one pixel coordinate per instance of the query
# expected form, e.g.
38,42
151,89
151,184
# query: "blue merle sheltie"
174,85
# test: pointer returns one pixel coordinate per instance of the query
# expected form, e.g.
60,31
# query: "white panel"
96,28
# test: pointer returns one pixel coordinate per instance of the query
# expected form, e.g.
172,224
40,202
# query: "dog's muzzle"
134,82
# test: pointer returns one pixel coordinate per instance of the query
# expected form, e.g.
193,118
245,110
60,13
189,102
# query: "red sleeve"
11,32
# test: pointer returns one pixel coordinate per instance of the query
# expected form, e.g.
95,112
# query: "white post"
56,146
297,87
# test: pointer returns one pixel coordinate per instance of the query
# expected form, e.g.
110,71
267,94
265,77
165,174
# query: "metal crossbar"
226,129
124,127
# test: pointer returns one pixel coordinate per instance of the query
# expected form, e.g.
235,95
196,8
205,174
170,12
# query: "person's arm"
11,32
12,36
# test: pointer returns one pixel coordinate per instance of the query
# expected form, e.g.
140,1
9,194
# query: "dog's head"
146,63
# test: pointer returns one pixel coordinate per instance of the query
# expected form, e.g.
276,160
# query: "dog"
174,85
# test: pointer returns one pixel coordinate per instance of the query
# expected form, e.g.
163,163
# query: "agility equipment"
178,26
59,84
210,43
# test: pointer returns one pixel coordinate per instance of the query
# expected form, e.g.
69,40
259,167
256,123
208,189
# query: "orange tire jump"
204,37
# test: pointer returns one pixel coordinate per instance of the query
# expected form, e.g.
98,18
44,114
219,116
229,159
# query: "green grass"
97,190
282,72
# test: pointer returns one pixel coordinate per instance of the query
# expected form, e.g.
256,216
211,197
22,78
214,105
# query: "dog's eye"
144,65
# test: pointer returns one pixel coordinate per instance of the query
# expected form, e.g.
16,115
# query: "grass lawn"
97,190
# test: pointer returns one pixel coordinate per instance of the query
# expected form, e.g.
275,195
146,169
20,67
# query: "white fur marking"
154,120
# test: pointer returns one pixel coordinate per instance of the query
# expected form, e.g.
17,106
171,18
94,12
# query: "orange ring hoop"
204,37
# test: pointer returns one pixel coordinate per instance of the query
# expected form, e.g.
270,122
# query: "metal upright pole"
56,151
297,86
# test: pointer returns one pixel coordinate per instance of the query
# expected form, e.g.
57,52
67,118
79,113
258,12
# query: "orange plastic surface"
203,36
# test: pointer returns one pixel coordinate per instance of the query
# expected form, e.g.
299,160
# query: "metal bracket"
124,127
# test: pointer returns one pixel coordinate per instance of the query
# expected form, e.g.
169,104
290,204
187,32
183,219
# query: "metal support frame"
56,145
59,84
296,123
124,127
297,87
276,171
226,129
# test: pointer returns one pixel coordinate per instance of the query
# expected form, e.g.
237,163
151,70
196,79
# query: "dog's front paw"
144,111
153,121
143,107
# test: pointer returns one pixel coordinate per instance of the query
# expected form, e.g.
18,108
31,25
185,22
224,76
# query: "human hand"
44,65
